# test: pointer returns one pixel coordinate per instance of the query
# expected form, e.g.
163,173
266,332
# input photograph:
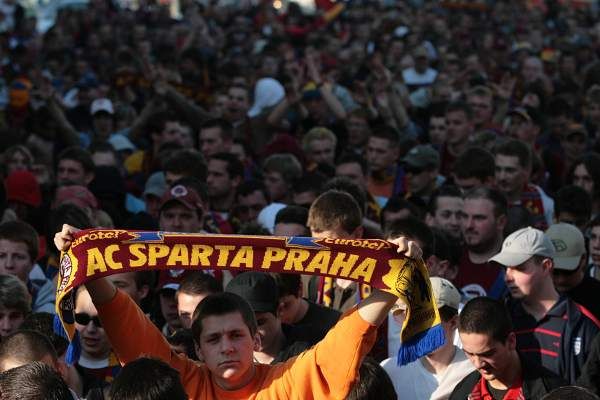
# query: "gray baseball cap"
523,244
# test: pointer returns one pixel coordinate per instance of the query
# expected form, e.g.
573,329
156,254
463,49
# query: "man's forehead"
507,160
220,324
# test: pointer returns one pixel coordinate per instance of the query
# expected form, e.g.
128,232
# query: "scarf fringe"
421,344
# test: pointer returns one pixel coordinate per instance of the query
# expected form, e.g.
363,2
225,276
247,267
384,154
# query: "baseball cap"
421,52
103,104
523,244
171,279
257,288
156,185
184,195
445,293
75,194
569,245
422,156
529,114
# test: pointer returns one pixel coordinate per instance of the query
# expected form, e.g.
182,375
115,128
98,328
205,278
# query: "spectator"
319,147
193,289
183,163
15,304
291,221
225,173
591,369
373,384
383,151
445,211
572,205
475,167
251,198
35,381
421,167
280,171
459,127
216,136
75,167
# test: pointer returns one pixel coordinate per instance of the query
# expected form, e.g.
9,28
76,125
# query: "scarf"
97,253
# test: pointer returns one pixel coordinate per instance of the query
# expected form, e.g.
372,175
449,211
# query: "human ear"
256,341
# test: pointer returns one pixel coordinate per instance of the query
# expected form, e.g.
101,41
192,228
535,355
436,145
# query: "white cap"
569,245
103,104
267,93
523,244
444,293
266,217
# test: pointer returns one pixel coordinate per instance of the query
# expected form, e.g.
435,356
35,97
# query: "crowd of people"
467,132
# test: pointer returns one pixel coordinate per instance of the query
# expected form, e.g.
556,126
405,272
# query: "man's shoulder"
465,386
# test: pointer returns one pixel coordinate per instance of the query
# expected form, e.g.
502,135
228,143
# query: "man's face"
219,183
72,172
304,199
168,308
381,154
482,107
336,233
211,141
592,113
574,145
358,131
186,305
352,171
269,329
595,244
15,259
510,175
419,179
437,130
227,347
94,341
173,132
524,280
321,151
103,125
10,320
289,306
238,103
126,282
522,129
251,205
448,215
583,179
458,127
466,184
565,280
276,185
480,227
491,358
176,217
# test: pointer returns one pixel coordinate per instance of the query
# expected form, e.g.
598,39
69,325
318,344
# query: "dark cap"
257,288
422,156
184,195
529,114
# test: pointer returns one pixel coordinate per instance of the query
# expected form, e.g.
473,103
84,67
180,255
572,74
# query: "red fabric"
480,391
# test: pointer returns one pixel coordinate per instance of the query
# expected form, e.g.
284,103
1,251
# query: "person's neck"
510,375
302,310
245,379
514,196
267,355
383,174
438,361
538,305
222,203
455,149
482,255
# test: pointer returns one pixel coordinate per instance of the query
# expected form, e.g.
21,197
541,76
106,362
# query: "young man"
35,381
281,170
459,128
192,290
319,147
225,332
445,211
570,264
15,304
482,226
550,330
435,375
383,150
251,198
215,136
491,345
225,173
421,167
475,167
75,167
572,205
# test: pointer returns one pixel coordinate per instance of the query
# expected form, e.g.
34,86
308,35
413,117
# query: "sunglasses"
84,319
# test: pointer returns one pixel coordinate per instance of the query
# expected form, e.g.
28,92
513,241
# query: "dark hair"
292,215
447,313
147,379
253,228
396,203
475,162
22,232
288,284
414,229
309,182
235,168
66,213
475,318
591,162
80,155
183,337
188,162
223,124
43,323
570,393
248,187
334,209
345,184
460,106
373,383
386,132
574,200
33,381
495,196
157,122
26,346
516,148
220,304
442,191
200,283
353,158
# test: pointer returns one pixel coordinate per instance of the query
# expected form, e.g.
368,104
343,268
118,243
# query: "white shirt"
414,381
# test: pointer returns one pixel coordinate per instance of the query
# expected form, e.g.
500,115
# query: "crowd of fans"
471,128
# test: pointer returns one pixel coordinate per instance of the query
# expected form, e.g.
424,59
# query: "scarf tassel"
421,344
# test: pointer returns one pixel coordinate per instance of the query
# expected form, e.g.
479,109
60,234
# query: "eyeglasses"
84,319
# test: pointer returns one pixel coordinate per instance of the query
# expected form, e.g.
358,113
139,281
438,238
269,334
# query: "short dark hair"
33,381
460,105
574,200
413,228
495,196
475,318
220,304
248,187
43,323
22,232
442,191
570,393
188,162
334,209
373,383
292,215
26,346
226,126
591,162
475,162
235,168
147,379
79,154
353,158
200,283
397,203
386,132
345,184
288,284
516,148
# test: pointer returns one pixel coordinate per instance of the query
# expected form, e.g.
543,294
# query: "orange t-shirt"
328,370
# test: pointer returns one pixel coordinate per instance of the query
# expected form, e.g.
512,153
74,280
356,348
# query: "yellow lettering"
108,255
272,254
245,255
320,261
179,254
156,251
365,269
223,254
295,259
137,250
200,254
373,245
95,262
345,264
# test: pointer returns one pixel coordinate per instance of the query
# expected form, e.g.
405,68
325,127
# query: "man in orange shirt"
225,334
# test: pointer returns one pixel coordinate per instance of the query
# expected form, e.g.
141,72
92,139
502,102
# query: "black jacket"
590,376
537,381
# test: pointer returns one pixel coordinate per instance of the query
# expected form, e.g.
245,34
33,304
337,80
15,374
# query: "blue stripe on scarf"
421,344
